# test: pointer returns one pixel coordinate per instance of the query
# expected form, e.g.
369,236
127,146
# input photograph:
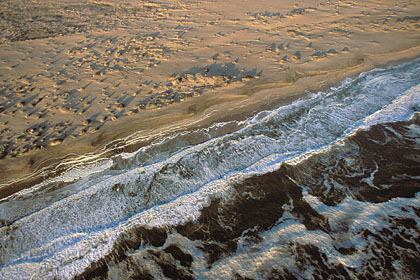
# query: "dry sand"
77,75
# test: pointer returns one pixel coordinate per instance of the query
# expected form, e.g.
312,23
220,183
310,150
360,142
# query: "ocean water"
327,186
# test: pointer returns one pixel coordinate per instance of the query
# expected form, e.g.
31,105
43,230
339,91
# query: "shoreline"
73,96
97,145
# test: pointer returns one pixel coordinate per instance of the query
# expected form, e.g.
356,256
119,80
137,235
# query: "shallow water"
327,185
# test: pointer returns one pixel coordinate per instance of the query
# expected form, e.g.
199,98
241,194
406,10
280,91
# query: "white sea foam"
400,109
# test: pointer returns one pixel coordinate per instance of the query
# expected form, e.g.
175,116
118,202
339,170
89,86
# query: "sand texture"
76,75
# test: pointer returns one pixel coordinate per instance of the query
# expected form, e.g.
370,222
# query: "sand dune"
76,75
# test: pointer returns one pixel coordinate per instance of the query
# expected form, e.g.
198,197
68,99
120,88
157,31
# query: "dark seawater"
327,187
350,211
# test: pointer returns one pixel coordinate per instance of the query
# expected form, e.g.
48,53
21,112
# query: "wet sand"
113,77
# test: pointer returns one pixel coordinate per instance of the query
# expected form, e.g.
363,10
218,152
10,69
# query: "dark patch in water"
178,254
169,268
389,154
131,240
394,154
308,255
389,247
258,201
276,274
346,251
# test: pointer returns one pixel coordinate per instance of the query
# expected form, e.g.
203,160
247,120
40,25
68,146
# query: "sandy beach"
77,75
